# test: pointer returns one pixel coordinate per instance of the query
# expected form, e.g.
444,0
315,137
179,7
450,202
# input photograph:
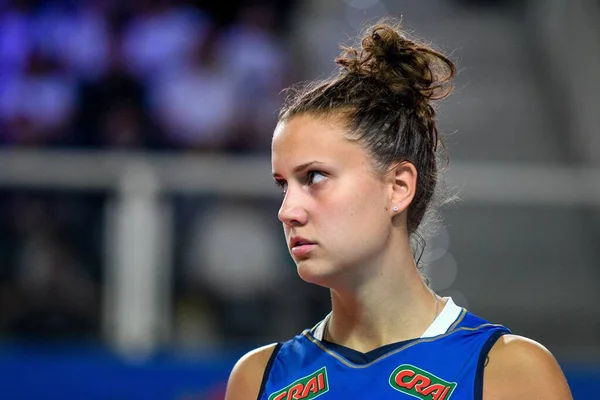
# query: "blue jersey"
445,363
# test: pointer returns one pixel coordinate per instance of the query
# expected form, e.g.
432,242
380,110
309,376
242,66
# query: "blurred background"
140,251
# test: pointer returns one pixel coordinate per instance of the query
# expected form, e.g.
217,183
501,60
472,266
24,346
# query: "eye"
281,184
315,177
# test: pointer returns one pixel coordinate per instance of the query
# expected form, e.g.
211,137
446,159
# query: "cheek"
360,215
368,199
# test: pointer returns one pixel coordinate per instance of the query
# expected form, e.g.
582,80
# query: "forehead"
306,138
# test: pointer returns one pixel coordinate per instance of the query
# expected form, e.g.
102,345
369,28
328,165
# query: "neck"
391,304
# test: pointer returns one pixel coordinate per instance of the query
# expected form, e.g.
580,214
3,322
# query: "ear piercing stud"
395,208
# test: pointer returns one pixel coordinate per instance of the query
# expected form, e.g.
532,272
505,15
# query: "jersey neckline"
440,325
445,322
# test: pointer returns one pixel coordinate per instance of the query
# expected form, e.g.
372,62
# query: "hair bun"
385,43
407,68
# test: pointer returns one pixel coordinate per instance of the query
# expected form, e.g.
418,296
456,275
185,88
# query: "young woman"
356,157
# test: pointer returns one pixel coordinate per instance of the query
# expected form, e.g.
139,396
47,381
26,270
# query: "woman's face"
335,208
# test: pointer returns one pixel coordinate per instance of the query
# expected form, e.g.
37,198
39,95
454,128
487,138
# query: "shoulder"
520,368
246,376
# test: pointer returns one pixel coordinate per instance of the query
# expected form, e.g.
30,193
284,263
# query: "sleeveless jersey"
445,363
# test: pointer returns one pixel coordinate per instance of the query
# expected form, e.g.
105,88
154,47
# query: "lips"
297,241
301,248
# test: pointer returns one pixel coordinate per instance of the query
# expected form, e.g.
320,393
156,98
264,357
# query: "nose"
291,212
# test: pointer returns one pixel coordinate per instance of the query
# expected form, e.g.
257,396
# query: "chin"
311,272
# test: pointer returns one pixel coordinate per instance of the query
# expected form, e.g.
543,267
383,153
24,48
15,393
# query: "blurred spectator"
253,58
36,106
81,39
161,36
251,52
112,110
197,105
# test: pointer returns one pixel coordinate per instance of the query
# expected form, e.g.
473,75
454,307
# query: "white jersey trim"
318,333
444,320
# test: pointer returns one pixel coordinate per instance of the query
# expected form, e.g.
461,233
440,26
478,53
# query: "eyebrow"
301,167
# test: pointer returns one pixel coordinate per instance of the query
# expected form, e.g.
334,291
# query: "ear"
403,180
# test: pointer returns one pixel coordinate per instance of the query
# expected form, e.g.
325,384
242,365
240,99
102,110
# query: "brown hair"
384,89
